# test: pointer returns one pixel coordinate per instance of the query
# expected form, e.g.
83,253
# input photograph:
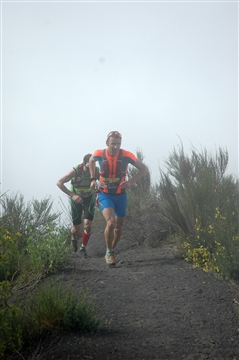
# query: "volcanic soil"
153,306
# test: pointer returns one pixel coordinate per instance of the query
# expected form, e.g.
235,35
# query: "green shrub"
53,308
49,309
79,315
45,254
8,254
217,246
18,223
32,246
10,324
25,218
203,202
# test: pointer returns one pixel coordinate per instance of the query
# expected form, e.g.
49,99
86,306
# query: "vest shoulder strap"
120,155
96,172
104,158
78,170
104,155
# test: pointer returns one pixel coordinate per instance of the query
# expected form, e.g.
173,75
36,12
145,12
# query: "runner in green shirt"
82,200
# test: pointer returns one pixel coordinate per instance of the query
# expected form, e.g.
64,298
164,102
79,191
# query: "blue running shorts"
117,202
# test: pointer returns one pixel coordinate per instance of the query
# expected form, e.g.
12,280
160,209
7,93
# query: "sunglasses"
114,134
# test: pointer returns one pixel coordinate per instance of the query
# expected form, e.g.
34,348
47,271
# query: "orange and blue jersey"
113,169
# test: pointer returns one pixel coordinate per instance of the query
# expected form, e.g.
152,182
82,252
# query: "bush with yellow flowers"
215,247
203,202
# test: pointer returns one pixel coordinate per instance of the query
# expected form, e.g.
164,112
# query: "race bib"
110,183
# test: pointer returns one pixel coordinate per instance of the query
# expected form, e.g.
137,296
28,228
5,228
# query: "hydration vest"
75,181
81,184
106,179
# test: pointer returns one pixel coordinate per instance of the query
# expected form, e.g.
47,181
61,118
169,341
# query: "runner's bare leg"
117,230
110,219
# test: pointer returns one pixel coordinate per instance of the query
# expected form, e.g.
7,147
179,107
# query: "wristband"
91,179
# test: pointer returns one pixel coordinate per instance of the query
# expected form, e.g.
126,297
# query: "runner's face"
113,145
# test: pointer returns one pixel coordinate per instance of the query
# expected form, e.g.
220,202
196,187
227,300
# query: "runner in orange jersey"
112,197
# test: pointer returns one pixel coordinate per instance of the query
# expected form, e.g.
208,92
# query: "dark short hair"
86,158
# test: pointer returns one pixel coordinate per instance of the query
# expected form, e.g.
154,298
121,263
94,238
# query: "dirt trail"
155,307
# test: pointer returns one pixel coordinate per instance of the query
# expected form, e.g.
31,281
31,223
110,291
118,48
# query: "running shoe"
74,243
110,258
83,252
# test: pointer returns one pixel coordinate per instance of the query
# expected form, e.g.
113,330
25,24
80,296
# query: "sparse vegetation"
145,221
203,203
32,246
195,202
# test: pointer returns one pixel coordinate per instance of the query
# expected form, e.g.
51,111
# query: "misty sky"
158,72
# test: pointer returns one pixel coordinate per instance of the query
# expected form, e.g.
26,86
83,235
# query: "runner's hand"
125,184
93,184
77,199
96,200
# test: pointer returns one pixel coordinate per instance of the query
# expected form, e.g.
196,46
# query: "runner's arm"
142,171
64,179
92,172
